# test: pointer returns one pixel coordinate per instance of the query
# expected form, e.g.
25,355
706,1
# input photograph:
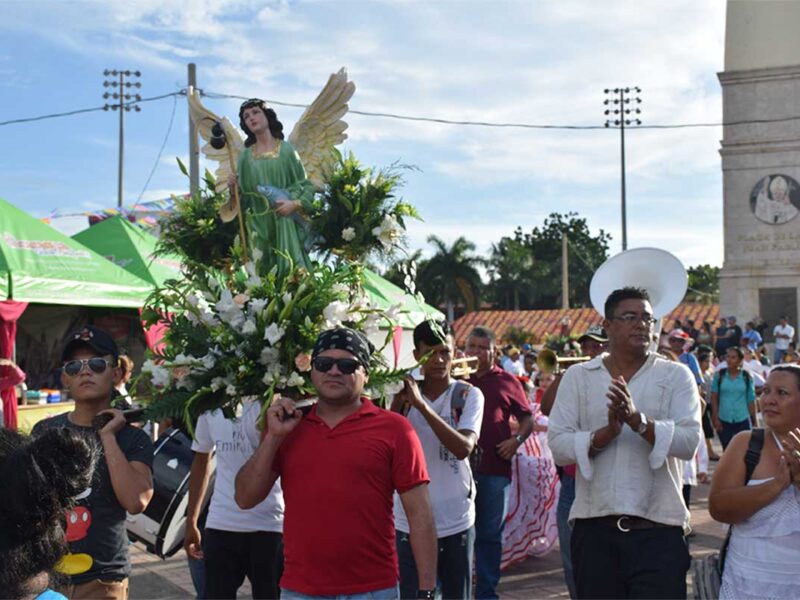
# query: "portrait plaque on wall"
775,199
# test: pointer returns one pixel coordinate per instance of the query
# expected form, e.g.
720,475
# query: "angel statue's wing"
321,127
204,120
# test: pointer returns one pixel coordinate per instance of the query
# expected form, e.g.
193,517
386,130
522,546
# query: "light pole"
122,103
622,111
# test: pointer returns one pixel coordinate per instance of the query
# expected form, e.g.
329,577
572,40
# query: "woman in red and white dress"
531,528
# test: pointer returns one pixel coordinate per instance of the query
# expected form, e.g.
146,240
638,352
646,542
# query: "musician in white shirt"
628,418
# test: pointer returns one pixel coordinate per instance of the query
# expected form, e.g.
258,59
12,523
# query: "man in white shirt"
447,416
236,542
628,418
784,334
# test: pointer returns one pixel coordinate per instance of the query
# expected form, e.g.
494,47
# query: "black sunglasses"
96,364
347,366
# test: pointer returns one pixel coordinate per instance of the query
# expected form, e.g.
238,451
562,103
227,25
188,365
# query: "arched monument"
761,160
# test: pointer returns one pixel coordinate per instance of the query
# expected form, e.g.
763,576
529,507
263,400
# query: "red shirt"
338,484
503,396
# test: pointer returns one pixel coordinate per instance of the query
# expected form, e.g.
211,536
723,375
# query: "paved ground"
542,577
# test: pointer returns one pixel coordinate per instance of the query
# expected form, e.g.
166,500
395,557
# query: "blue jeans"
197,570
454,565
565,500
491,503
392,593
778,356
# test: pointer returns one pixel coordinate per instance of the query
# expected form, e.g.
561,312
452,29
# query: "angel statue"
276,178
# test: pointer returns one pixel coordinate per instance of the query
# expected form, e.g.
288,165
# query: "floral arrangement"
252,336
357,213
236,330
194,229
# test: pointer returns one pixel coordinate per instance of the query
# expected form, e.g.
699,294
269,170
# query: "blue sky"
544,62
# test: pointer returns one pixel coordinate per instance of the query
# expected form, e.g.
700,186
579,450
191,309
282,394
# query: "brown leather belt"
627,523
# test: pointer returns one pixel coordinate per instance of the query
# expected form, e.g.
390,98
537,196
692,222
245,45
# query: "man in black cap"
339,467
97,565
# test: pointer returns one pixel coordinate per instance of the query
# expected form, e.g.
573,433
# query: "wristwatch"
426,594
519,438
642,428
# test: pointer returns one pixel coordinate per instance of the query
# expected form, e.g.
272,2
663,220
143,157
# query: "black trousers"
645,563
230,556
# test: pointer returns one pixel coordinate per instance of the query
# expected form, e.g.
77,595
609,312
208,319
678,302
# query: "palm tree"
451,275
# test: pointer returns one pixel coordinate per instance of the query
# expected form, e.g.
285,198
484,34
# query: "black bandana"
347,339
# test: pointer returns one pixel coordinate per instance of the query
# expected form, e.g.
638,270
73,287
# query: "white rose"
348,234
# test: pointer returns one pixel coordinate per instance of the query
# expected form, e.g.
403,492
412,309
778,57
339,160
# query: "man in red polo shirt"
503,398
339,467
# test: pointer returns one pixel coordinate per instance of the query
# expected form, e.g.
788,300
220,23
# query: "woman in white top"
763,559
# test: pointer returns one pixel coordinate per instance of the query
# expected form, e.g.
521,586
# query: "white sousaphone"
657,271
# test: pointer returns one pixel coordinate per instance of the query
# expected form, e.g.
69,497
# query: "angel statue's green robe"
269,231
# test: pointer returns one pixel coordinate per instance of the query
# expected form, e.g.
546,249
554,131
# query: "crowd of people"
451,482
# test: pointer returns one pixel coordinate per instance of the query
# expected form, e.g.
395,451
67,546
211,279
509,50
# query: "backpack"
747,377
458,398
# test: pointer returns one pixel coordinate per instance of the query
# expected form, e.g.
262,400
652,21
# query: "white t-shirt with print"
452,487
783,343
235,441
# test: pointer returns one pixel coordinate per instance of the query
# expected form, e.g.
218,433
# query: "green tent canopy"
386,294
40,264
131,248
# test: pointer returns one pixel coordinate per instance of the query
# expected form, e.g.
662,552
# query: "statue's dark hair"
626,293
275,126
41,475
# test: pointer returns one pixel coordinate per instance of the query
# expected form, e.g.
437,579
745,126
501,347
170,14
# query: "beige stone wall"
761,34
758,254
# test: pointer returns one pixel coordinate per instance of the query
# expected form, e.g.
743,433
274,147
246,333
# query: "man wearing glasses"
97,565
628,418
339,467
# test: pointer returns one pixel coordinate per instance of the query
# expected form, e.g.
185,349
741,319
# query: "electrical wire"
163,145
88,110
507,125
423,119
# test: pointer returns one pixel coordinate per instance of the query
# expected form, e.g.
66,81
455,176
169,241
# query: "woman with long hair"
763,557
269,160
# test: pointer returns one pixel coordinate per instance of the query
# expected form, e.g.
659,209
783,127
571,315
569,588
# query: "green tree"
703,284
535,260
451,276
510,266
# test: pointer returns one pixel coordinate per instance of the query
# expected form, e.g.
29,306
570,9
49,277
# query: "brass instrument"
657,271
549,362
464,367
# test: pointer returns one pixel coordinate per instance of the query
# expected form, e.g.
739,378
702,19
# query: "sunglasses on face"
346,366
97,365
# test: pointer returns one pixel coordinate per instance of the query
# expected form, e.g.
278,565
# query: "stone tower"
761,161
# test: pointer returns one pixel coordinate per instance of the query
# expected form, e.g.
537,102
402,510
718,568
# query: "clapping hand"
791,452
620,401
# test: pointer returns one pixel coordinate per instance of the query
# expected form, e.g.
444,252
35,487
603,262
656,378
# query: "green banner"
386,294
40,264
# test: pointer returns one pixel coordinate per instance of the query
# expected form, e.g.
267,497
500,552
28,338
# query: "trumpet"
464,367
549,362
